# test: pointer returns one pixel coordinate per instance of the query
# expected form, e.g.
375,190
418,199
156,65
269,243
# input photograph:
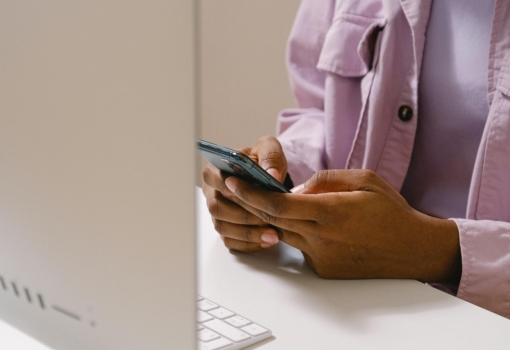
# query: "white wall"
242,68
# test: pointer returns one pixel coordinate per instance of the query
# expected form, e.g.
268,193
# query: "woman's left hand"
351,224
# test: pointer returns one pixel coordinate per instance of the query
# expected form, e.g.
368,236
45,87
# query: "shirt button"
405,113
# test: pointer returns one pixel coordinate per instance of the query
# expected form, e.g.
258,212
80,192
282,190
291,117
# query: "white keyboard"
219,328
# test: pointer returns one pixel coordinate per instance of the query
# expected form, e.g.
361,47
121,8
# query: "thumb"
325,181
269,155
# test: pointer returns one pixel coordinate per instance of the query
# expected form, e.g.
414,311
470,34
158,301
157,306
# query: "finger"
297,225
247,233
278,205
214,178
243,246
293,239
223,209
270,157
291,231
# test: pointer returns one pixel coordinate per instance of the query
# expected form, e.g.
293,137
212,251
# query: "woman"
399,148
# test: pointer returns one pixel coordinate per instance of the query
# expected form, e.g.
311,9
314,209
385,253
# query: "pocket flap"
349,45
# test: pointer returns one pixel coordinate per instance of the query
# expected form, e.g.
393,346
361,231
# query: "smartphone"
240,165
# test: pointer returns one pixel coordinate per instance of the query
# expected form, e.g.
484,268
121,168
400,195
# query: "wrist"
442,252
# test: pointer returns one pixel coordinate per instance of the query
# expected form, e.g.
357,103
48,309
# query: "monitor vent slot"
27,294
41,301
15,288
22,291
2,282
33,298
65,312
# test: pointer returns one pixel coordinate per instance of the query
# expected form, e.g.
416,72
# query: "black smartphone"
240,165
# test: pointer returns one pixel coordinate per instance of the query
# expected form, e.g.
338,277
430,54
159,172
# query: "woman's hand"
351,224
240,229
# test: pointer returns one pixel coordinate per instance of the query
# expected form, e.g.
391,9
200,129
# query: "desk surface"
278,290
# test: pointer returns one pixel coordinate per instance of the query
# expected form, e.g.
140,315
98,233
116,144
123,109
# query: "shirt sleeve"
301,130
485,250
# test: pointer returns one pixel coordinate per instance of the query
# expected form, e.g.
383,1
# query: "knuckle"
367,177
229,243
218,225
207,174
268,150
206,191
266,217
277,206
319,180
367,174
272,157
245,217
214,207
247,235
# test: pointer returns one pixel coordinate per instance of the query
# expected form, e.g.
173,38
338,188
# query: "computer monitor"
97,133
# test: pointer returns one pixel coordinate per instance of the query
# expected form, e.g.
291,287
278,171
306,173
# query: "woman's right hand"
239,229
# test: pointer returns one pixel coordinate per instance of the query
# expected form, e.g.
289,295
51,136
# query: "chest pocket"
350,45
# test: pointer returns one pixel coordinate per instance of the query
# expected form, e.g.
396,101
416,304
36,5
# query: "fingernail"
270,238
298,189
274,173
230,183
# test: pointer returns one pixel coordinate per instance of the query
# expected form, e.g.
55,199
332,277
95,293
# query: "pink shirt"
452,95
355,68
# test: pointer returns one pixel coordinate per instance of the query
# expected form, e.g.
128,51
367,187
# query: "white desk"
276,289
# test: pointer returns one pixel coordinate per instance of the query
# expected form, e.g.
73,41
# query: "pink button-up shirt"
353,65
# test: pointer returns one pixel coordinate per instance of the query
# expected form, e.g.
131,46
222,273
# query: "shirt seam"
484,176
491,86
504,71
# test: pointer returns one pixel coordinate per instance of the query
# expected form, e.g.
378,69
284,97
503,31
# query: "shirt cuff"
485,250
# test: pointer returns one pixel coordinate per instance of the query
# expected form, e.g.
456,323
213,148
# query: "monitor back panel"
96,172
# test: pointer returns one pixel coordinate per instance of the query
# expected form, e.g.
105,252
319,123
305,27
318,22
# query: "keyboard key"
221,329
203,316
238,321
254,329
202,346
206,305
226,330
207,335
214,345
221,313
